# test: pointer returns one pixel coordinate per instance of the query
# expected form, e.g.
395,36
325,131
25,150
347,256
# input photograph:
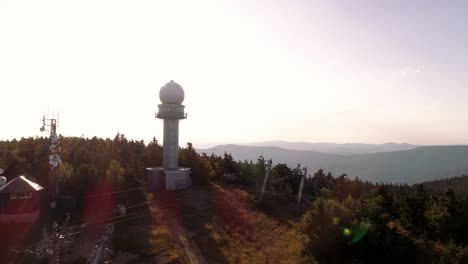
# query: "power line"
142,211
131,218
105,194
109,193
115,217
116,211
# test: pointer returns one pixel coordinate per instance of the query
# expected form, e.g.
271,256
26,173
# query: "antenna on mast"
3,180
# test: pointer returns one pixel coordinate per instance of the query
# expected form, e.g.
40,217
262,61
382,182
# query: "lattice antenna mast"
50,125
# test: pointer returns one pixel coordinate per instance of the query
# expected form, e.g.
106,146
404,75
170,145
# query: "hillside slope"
219,224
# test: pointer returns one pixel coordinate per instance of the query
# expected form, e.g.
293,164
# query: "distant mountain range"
406,166
345,149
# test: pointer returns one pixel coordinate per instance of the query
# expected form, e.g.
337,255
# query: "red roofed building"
20,201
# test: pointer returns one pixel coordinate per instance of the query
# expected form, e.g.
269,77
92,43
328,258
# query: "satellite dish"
1,171
3,180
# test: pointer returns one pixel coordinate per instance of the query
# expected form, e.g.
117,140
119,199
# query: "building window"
12,196
25,195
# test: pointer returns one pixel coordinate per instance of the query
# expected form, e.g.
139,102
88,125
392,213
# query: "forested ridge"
416,165
342,220
459,186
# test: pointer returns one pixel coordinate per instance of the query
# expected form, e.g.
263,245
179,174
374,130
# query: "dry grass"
162,243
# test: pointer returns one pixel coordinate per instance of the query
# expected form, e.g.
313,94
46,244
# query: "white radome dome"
171,93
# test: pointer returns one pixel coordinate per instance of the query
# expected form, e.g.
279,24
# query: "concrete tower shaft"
171,144
171,113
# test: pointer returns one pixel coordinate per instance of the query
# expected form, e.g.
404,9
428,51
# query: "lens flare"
347,232
336,220
359,231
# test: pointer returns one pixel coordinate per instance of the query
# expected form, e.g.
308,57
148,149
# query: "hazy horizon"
314,71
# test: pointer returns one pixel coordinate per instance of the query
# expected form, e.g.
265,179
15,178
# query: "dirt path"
191,250
170,212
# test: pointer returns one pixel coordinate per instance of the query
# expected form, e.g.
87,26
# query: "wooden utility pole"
265,180
301,188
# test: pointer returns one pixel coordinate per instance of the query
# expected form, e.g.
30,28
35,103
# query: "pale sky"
317,71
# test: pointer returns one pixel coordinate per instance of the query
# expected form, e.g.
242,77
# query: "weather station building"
20,201
170,176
